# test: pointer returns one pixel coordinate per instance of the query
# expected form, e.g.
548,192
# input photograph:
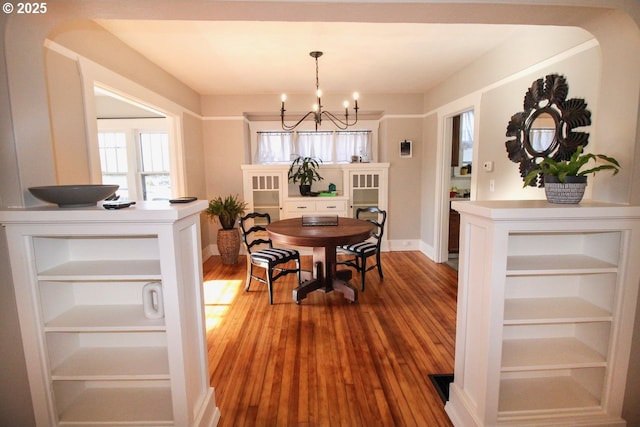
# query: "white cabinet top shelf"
141,212
541,210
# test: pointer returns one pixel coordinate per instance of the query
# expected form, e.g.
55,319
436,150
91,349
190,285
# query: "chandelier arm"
292,127
341,124
317,111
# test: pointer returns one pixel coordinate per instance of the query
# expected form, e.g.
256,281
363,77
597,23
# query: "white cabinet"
367,185
93,357
546,305
266,189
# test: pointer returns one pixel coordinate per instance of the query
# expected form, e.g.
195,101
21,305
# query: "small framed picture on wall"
405,148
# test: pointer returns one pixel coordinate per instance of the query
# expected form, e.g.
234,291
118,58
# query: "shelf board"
146,269
523,311
557,264
110,363
548,353
543,394
120,405
104,318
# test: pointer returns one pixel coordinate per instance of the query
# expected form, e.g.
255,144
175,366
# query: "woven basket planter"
569,192
228,245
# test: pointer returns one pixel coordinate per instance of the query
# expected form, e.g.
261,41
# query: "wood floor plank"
327,362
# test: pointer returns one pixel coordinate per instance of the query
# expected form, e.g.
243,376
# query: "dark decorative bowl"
73,196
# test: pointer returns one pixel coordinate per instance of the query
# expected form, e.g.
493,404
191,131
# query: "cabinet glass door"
365,188
265,192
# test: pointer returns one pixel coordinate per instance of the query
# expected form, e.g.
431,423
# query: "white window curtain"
353,143
466,136
275,147
315,144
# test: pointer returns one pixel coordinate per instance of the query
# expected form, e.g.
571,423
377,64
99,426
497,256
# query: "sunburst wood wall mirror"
546,127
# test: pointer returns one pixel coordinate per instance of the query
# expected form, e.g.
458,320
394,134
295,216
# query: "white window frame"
95,75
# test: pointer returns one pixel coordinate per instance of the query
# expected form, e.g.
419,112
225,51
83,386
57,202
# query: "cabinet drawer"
331,206
301,206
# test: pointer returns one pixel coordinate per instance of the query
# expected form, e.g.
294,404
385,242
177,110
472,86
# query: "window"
466,137
154,170
137,160
328,146
113,160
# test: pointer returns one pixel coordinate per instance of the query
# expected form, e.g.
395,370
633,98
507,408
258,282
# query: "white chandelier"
317,111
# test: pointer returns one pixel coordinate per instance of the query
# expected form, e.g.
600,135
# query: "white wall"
499,103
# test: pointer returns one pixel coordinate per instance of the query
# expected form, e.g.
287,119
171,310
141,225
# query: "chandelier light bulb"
345,104
319,93
315,107
356,95
283,97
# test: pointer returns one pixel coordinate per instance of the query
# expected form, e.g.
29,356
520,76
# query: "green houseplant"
304,170
227,210
565,180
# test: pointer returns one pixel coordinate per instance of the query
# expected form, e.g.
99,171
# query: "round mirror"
546,126
540,132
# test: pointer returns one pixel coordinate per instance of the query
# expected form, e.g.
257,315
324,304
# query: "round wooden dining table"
323,239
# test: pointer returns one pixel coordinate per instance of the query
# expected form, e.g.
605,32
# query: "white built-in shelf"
557,264
93,357
522,311
543,394
120,406
106,318
114,363
548,353
147,269
555,287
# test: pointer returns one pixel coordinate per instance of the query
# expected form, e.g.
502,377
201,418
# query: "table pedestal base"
319,280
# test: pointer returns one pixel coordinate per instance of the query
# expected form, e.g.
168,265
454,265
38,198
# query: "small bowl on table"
74,196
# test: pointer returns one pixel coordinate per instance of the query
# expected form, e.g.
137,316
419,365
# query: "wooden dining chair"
261,253
370,247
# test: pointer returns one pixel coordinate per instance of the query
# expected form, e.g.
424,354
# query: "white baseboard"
403,245
387,246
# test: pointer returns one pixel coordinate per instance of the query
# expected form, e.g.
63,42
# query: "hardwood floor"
327,362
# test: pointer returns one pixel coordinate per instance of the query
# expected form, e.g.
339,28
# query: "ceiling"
225,57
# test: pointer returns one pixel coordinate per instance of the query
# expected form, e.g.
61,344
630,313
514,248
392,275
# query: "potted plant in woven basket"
564,181
227,210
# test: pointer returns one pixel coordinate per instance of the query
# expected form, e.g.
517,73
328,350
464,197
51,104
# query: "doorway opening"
134,146
460,128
